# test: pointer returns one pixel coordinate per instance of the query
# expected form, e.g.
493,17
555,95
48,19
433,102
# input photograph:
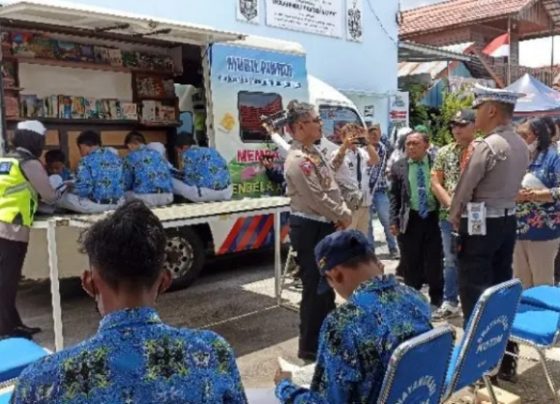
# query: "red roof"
457,12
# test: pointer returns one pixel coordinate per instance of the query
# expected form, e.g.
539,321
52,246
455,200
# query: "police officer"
22,181
483,206
317,210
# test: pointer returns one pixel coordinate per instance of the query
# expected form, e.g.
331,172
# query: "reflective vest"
18,199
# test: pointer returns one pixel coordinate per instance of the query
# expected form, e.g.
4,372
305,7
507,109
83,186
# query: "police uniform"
316,205
22,181
493,176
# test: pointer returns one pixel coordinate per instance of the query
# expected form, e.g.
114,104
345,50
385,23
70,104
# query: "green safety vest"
18,199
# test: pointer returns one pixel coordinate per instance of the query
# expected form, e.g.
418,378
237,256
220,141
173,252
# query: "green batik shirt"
448,162
413,181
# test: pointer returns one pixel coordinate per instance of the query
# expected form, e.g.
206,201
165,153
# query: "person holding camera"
351,163
317,210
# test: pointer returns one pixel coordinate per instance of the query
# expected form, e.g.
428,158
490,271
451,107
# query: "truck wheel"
185,256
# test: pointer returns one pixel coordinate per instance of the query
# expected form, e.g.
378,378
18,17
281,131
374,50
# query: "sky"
532,53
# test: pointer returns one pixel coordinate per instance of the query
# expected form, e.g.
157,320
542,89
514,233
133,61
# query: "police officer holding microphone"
23,180
483,206
317,210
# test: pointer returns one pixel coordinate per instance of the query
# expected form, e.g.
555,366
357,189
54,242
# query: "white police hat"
33,126
485,94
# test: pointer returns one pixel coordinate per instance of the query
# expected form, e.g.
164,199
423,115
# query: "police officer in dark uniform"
483,206
317,210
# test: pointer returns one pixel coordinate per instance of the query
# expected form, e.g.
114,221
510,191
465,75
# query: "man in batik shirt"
358,338
448,165
134,357
146,175
205,172
99,179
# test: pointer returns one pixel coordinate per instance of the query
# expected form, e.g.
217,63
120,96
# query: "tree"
452,102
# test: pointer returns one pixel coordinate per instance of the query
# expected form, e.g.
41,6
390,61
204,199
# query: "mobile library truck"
76,67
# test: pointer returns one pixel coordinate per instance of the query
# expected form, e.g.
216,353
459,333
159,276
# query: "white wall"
370,66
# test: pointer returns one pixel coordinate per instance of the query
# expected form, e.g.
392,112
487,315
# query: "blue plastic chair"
17,354
480,353
417,368
537,324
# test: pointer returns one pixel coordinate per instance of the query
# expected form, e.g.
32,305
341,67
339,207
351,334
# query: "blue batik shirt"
205,168
357,340
146,172
100,177
135,358
541,221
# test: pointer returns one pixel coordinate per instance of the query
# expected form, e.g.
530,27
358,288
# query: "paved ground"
235,298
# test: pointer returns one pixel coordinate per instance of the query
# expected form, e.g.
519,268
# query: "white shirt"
348,172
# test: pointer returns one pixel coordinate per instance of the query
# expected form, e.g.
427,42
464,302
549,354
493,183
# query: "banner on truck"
247,83
322,17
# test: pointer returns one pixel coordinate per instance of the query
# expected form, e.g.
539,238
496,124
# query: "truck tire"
185,256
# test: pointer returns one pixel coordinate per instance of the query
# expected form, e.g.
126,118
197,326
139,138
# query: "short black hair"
29,140
89,138
425,137
127,247
185,139
366,258
296,111
55,156
506,108
134,137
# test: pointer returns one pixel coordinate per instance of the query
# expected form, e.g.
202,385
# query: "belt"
493,213
311,216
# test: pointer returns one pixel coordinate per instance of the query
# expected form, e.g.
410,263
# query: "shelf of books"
151,99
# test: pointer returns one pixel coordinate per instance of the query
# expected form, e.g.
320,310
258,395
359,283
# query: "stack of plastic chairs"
417,368
537,324
480,353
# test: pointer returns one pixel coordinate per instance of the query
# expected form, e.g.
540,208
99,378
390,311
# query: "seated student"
56,164
146,176
357,338
205,173
134,357
99,178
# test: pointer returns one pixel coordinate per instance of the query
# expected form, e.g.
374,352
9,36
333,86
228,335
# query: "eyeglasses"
316,120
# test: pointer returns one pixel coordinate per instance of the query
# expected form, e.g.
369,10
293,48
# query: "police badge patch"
249,9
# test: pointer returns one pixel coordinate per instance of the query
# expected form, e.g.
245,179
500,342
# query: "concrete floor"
235,298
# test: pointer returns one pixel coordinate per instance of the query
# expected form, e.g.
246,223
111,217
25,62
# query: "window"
252,105
334,118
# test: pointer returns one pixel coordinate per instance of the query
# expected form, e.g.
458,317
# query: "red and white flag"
499,47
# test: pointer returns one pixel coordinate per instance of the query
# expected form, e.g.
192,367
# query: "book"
67,51
115,109
78,108
11,104
101,54
9,77
129,59
129,110
87,54
167,114
50,106
90,108
28,105
115,57
150,110
43,47
65,107
20,44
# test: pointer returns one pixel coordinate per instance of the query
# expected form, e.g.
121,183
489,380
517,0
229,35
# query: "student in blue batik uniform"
99,178
56,164
358,338
134,357
205,173
146,176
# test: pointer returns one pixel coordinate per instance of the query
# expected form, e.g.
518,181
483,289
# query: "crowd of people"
465,217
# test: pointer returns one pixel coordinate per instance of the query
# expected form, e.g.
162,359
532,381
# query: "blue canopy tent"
539,99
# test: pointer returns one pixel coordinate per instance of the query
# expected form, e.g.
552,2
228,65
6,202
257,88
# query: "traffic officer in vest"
483,206
23,181
317,210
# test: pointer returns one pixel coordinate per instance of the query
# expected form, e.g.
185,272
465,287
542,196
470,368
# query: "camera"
277,120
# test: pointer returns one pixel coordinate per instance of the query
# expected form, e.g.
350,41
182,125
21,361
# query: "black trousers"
485,261
557,268
422,255
305,234
12,255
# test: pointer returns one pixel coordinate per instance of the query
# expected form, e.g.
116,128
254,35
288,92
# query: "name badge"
476,218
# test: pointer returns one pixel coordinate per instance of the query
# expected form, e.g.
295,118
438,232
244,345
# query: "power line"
381,23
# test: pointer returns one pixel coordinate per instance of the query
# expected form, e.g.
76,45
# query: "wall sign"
248,11
322,17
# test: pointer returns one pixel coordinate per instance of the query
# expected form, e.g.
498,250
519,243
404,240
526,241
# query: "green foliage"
419,114
452,102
